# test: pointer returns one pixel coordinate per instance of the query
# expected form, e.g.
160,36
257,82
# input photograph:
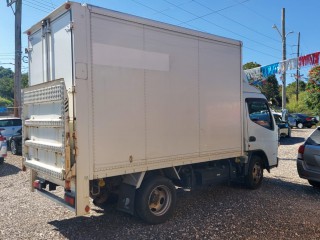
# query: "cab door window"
259,113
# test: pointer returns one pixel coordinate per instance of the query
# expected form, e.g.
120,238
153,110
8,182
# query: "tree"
313,90
270,88
291,88
251,65
6,88
300,106
5,102
24,80
6,73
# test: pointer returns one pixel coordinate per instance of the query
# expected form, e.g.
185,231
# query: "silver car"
3,148
308,162
10,126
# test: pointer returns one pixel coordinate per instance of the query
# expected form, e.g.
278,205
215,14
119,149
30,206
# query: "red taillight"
301,152
70,200
39,184
36,184
2,138
309,119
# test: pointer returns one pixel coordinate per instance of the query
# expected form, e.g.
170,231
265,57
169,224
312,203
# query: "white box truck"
131,108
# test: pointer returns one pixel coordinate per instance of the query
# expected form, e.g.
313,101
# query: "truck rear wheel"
254,177
155,200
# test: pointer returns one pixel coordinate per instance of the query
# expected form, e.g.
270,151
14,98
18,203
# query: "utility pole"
298,70
284,58
17,68
284,54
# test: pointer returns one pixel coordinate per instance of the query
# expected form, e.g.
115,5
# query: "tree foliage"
270,88
7,86
6,73
251,65
291,88
293,106
5,102
313,90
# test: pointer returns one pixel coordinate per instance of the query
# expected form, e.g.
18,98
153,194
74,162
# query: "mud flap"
126,198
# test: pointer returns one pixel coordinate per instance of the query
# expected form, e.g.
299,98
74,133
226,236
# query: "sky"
249,21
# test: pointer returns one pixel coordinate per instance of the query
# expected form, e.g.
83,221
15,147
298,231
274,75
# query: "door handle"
252,139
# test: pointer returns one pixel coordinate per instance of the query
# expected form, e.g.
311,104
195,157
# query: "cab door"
262,132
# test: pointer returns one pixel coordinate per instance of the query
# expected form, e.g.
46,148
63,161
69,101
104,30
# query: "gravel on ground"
285,207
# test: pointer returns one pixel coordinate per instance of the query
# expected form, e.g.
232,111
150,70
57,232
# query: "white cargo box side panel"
118,93
161,97
220,97
172,114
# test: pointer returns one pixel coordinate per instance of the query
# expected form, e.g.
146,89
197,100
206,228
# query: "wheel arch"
262,155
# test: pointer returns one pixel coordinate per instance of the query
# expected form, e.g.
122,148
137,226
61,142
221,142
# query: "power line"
197,28
46,11
251,29
214,11
245,6
164,10
222,27
39,5
45,3
157,11
261,52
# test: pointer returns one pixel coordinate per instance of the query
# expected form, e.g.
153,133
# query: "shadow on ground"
8,169
291,140
194,207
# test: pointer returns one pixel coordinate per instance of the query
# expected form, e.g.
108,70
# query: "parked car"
303,120
10,126
15,143
291,120
308,162
283,127
3,148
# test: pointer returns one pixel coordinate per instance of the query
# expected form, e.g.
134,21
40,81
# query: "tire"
314,183
300,125
13,147
155,200
254,177
1,160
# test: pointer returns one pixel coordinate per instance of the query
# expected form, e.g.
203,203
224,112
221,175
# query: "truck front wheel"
155,200
254,177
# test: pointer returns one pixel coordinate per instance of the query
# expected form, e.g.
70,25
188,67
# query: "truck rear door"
47,114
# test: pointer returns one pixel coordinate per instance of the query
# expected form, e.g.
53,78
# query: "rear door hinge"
69,27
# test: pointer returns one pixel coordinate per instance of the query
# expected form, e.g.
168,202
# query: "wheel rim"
13,147
300,125
256,173
160,200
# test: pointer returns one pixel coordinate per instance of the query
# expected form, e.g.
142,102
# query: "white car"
291,121
3,148
10,126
